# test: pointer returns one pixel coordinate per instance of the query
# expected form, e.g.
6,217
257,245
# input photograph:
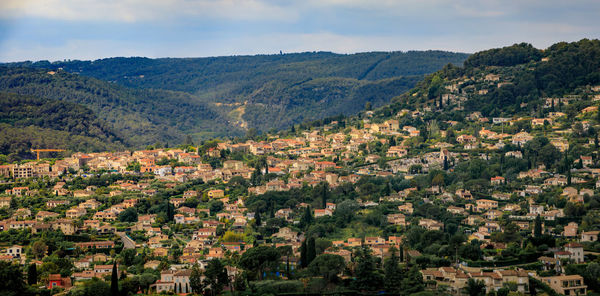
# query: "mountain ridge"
275,90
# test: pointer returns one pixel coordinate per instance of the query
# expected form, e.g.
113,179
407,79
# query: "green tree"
215,206
215,276
401,251
434,87
413,281
170,213
537,229
393,273
39,249
32,276
475,287
307,218
129,215
311,250
196,280
592,275
345,211
324,192
11,279
502,291
328,266
257,219
368,277
303,255
114,281
94,287
259,259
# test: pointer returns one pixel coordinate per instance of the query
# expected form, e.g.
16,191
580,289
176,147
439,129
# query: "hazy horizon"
238,55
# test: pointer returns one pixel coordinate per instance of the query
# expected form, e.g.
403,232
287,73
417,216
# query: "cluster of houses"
308,159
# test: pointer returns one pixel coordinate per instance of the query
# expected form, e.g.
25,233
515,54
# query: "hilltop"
512,81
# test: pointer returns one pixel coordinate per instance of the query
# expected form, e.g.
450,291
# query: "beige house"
590,236
571,229
576,251
216,193
566,284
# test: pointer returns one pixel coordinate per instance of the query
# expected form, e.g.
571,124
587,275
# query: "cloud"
90,29
144,10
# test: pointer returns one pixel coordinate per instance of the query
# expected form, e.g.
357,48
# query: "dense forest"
242,75
141,116
261,92
28,122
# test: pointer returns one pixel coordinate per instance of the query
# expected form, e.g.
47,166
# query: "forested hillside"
27,122
142,117
267,91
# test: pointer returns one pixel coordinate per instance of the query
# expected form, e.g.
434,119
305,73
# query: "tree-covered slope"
242,74
272,91
141,116
320,98
27,122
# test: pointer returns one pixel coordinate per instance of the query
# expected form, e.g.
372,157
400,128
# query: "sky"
92,29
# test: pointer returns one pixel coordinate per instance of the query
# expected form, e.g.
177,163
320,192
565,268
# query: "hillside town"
503,204
102,205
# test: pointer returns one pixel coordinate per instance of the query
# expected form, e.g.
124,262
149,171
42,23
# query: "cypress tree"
170,214
324,195
257,219
114,281
537,230
307,218
32,274
401,253
311,251
303,258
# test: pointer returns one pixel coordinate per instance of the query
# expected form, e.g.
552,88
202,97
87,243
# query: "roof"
596,232
185,272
